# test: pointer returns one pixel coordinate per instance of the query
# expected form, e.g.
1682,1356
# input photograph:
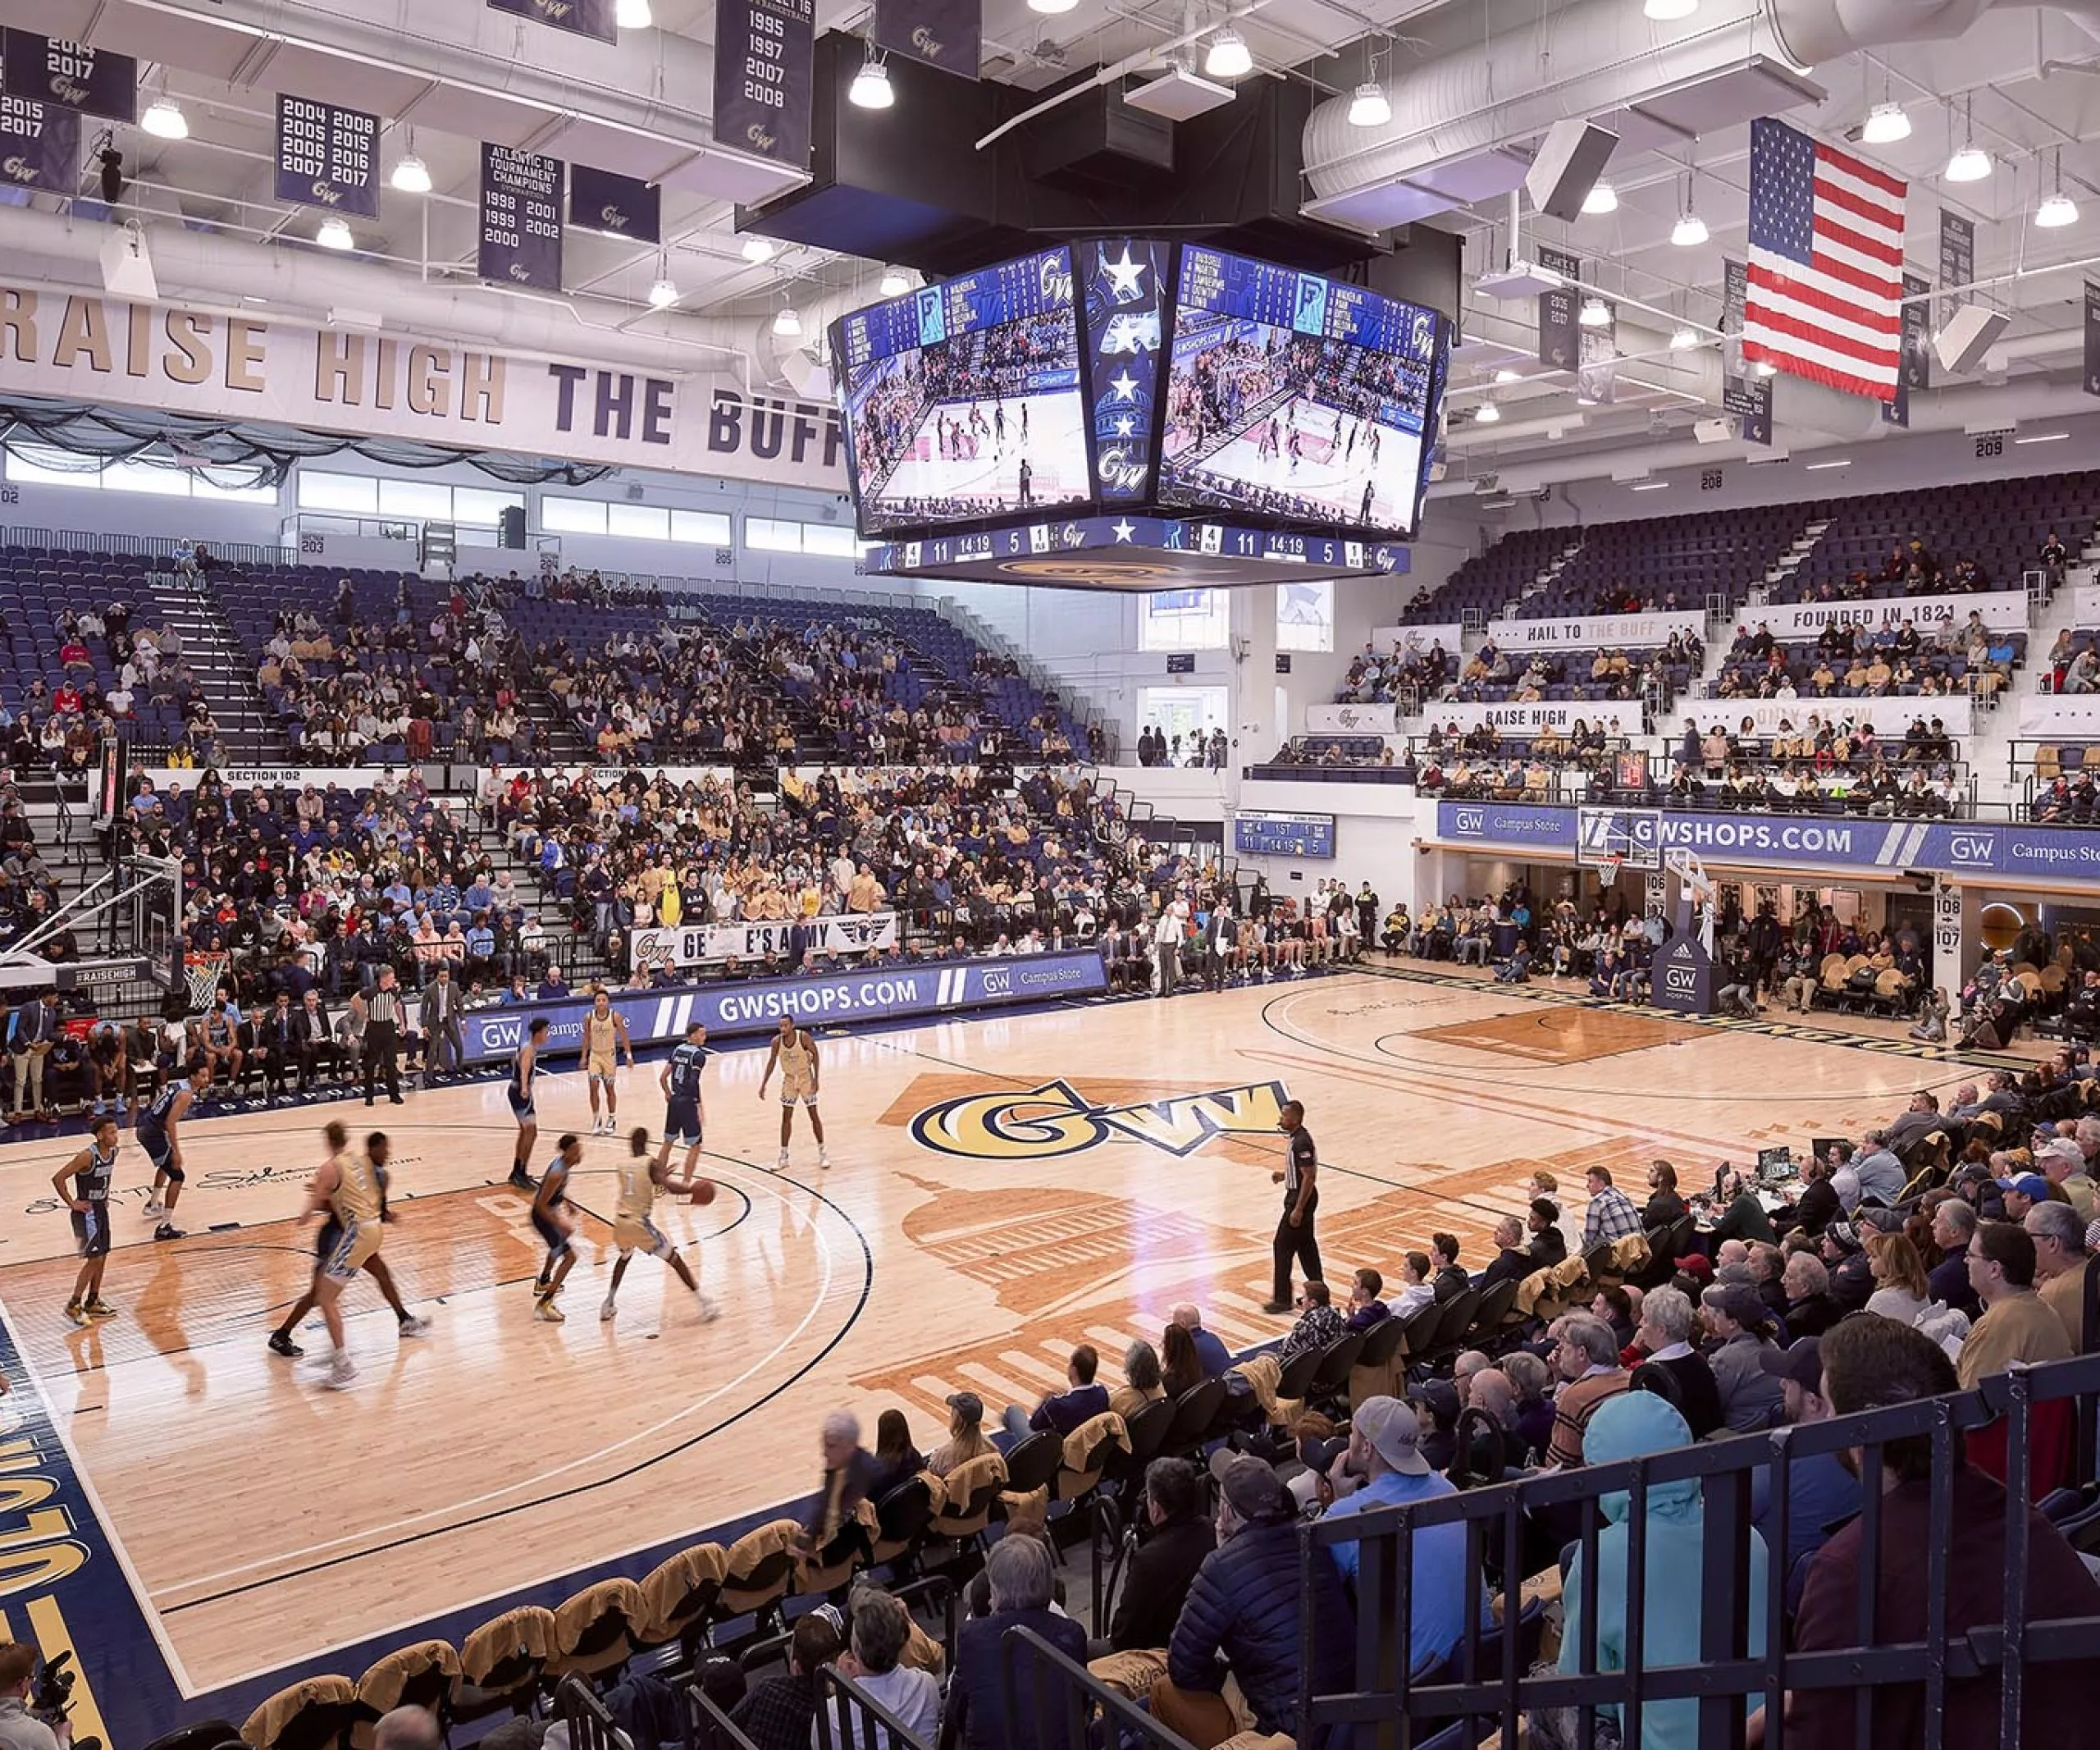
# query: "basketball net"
201,972
1608,870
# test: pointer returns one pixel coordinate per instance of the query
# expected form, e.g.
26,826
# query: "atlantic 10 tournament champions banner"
39,146
591,18
69,75
764,50
327,156
1122,289
521,217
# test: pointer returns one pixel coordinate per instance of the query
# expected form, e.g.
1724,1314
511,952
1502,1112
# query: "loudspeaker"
511,531
1570,157
1970,333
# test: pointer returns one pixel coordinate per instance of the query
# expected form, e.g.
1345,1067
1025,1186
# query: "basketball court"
1003,1189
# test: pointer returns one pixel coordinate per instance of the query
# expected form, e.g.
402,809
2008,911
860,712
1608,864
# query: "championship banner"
765,55
1558,346
847,935
2002,611
39,146
620,206
1519,720
1418,640
730,1008
1597,377
1351,720
945,34
1747,395
69,75
521,218
1957,257
1595,632
2091,338
169,358
327,155
1888,716
595,19
1915,371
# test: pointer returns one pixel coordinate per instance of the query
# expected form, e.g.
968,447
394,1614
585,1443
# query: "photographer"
21,1729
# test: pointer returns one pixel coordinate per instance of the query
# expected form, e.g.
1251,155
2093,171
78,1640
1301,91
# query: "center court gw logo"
1041,1123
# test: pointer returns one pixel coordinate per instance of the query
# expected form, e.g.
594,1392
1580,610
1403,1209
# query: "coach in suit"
444,1045
1217,938
313,1038
276,1043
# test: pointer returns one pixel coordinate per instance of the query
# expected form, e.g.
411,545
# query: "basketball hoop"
1608,870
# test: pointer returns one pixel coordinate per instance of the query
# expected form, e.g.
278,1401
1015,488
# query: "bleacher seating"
1484,582
1667,563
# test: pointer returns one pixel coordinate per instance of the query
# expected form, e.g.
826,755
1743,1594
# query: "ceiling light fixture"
1369,108
1885,124
334,234
1817,468
1051,7
411,175
1487,413
1602,198
1971,163
633,15
164,120
1689,231
663,294
758,250
2057,208
870,88
1764,367
1683,338
788,325
1651,486
1229,56
2044,437
895,284
1668,11
1596,312
1505,375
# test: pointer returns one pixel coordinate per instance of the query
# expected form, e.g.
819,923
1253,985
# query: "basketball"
704,1192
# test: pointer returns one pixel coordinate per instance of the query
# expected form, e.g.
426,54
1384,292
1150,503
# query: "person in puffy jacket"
1242,1615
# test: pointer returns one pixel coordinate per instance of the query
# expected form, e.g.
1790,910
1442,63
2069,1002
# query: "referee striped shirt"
384,1006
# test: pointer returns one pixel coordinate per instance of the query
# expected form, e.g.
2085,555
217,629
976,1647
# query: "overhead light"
1052,6
633,15
2056,212
1689,231
870,88
1817,468
1582,399
1602,198
1683,338
1229,57
1505,375
663,294
164,120
1487,413
1765,367
757,249
1970,164
1886,124
411,175
1369,107
894,283
2044,437
1596,312
788,325
1668,11
1651,486
334,234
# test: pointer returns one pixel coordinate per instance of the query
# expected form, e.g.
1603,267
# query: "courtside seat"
1087,1451
422,1676
903,1517
206,1735
501,1663
1032,1464
1377,1363
594,1630
762,1567
1194,1411
317,1713
678,1595
971,1488
827,1569
1146,1428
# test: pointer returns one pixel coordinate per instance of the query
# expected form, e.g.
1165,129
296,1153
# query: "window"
423,499
1305,616
703,528
202,487
764,535
474,508
1185,711
353,495
572,516
162,480
638,522
830,539
1182,619
45,464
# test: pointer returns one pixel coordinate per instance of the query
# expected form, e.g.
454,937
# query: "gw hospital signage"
80,347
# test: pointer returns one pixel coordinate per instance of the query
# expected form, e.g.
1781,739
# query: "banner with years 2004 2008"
754,1006
696,944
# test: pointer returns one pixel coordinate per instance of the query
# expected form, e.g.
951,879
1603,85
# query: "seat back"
1495,1306
1458,1318
1193,1412
1419,1330
903,1515
1033,1464
1382,1343
1335,1361
1147,1429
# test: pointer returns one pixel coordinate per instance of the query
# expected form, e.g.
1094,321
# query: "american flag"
1824,299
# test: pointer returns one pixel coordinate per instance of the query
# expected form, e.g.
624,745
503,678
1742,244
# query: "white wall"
68,509
1375,831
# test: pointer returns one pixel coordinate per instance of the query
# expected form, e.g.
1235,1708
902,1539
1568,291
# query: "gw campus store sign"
1809,842
80,347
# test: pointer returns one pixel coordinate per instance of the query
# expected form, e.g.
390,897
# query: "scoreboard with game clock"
1260,832
1128,413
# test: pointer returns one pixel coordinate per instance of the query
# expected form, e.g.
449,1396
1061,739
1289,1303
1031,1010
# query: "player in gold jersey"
605,1039
639,1180
347,1187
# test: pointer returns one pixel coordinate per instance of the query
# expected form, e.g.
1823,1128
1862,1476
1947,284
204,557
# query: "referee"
382,1037
1301,1202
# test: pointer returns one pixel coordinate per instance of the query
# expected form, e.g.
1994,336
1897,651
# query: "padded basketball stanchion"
1681,979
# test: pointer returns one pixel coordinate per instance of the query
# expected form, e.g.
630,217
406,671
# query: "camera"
50,1694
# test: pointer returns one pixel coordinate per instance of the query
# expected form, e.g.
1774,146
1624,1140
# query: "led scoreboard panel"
1259,831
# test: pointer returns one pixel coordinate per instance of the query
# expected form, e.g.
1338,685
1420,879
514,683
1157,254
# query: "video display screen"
963,401
1290,396
1260,832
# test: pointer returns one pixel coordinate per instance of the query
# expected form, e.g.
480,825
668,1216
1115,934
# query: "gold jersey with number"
356,1196
637,1189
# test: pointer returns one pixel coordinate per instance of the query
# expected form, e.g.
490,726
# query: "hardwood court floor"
1003,1189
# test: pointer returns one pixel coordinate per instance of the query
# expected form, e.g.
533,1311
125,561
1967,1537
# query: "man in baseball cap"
2023,1193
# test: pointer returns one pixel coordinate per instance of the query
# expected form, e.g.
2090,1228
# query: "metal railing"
145,546
1074,1709
1483,1678
848,1718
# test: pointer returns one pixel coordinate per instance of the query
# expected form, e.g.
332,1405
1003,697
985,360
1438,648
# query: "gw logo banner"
1041,1123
